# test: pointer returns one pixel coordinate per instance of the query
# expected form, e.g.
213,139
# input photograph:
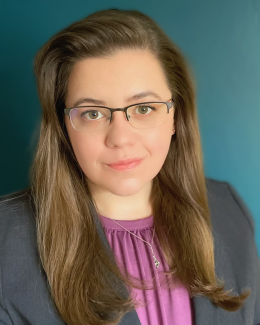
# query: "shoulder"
24,291
226,205
16,217
236,256
14,201
232,223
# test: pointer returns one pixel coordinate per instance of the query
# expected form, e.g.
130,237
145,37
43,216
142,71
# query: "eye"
91,115
144,109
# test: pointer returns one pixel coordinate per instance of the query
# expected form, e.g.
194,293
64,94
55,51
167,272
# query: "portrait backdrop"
220,40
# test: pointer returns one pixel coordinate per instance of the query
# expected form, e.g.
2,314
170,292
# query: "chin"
125,188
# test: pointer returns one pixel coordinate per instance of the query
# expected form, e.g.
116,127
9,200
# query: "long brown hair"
77,264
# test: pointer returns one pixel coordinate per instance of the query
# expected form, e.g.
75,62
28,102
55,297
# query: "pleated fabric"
162,305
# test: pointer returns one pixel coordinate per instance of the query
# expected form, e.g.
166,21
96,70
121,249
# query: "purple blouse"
164,306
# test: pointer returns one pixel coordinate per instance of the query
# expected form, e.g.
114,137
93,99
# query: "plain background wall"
220,40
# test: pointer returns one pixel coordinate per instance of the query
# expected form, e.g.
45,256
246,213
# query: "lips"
125,161
128,164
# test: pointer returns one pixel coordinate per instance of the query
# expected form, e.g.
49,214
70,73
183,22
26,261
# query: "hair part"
80,270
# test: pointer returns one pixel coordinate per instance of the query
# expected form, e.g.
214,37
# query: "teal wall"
219,38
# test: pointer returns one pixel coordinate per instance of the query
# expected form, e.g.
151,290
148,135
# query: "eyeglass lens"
140,116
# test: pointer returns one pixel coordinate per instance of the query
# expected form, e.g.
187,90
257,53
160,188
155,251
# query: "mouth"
129,165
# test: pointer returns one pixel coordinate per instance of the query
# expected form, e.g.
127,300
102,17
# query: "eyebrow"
130,99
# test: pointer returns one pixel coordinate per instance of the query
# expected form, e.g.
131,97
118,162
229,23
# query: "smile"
125,167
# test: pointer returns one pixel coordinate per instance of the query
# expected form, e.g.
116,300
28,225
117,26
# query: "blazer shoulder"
16,211
14,200
222,195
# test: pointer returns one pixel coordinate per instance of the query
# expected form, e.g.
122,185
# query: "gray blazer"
25,298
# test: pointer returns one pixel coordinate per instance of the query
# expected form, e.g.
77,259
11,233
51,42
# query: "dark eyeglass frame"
112,110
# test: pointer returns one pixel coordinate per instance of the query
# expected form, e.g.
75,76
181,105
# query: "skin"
120,195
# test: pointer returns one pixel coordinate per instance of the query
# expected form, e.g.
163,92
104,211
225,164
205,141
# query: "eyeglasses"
140,116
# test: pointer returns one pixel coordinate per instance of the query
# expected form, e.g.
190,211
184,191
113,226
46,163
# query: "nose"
120,132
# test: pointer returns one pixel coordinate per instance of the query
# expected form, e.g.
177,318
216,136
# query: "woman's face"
113,80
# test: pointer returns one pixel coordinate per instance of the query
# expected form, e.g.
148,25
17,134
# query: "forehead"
122,74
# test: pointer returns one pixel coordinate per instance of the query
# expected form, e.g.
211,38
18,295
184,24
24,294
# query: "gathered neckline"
128,224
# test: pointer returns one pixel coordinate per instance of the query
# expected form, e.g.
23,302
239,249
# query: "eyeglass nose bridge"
112,110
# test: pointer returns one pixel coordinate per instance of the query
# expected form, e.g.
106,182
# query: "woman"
120,225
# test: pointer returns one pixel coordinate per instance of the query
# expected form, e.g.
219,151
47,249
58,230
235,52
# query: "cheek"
158,143
86,150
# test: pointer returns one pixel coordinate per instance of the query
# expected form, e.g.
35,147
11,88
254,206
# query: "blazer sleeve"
250,219
4,316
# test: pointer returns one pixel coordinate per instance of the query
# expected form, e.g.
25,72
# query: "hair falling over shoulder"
80,270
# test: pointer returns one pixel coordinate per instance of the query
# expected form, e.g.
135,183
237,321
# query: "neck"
134,207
